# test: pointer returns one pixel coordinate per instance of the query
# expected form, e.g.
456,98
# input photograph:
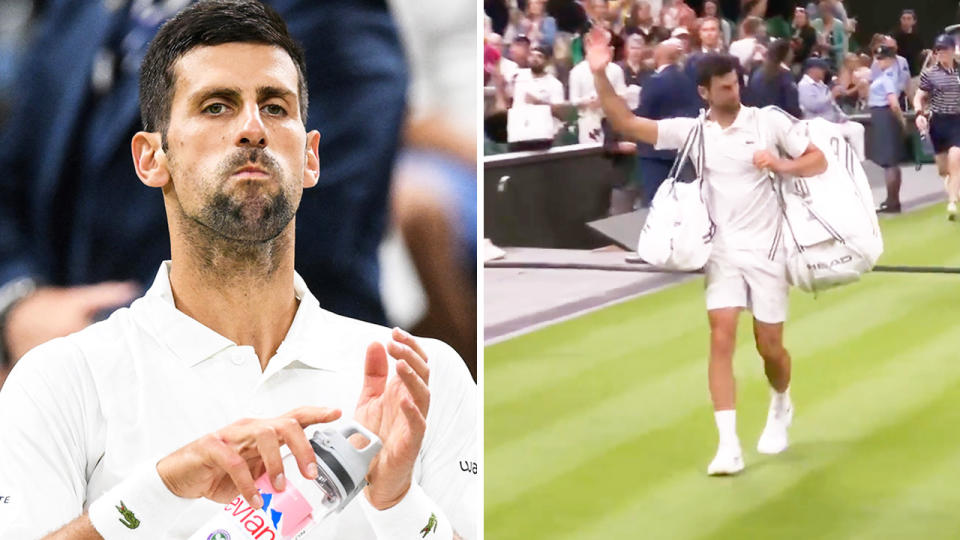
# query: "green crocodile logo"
129,520
431,526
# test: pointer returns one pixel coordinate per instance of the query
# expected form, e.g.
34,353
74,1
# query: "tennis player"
747,268
143,425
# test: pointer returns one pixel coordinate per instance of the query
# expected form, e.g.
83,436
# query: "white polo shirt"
79,414
742,202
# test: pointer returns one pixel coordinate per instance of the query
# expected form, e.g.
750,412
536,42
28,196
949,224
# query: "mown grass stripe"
692,505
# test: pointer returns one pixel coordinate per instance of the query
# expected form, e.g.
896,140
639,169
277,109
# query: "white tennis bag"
831,217
678,233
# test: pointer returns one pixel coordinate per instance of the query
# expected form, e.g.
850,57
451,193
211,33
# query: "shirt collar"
313,330
744,115
663,67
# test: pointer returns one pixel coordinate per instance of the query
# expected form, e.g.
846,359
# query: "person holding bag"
746,267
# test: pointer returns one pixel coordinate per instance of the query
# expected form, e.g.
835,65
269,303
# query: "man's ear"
311,171
149,159
702,90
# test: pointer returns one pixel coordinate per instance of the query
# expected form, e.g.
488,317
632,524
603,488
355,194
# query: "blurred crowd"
539,90
388,235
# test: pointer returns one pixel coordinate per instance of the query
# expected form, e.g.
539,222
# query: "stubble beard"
239,227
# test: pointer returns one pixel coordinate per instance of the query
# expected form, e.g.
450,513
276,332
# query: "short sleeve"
672,132
43,454
889,84
790,134
451,473
925,83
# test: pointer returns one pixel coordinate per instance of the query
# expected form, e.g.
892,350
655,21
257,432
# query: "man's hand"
52,312
396,410
597,50
220,465
764,159
922,123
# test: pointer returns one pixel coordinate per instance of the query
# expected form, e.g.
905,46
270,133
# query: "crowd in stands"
810,65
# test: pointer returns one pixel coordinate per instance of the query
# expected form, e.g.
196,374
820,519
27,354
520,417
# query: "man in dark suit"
669,93
72,212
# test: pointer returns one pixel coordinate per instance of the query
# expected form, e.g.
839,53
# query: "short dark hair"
204,24
715,65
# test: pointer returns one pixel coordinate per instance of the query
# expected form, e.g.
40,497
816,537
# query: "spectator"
831,33
773,84
804,36
909,42
600,16
834,6
433,197
506,67
642,22
583,96
536,25
776,27
748,49
853,83
72,212
817,100
682,34
711,8
520,50
541,88
938,111
635,70
676,14
710,40
669,93
887,125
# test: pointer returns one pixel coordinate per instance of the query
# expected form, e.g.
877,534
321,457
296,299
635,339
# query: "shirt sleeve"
790,134
556,93
925,83
45,448
889,84
672,132
451,472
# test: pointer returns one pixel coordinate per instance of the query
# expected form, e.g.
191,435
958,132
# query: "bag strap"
683,153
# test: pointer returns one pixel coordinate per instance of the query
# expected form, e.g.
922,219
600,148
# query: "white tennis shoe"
729,460
773,440
952,211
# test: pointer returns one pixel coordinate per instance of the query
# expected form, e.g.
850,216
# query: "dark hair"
204,24
715,65
777,53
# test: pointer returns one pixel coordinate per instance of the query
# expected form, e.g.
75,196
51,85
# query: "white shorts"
748,279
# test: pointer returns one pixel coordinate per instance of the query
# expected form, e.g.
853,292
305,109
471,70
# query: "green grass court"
601,426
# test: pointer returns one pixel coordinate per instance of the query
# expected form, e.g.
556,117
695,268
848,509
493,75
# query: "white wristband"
139,508
415,517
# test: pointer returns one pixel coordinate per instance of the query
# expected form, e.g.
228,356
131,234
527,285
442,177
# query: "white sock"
727,427
781,399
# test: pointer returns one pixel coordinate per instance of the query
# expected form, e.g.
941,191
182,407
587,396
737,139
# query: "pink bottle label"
283,516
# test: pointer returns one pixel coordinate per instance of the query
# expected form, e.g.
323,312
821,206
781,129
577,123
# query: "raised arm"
614,107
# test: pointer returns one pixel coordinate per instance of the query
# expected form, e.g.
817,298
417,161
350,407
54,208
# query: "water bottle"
303,504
